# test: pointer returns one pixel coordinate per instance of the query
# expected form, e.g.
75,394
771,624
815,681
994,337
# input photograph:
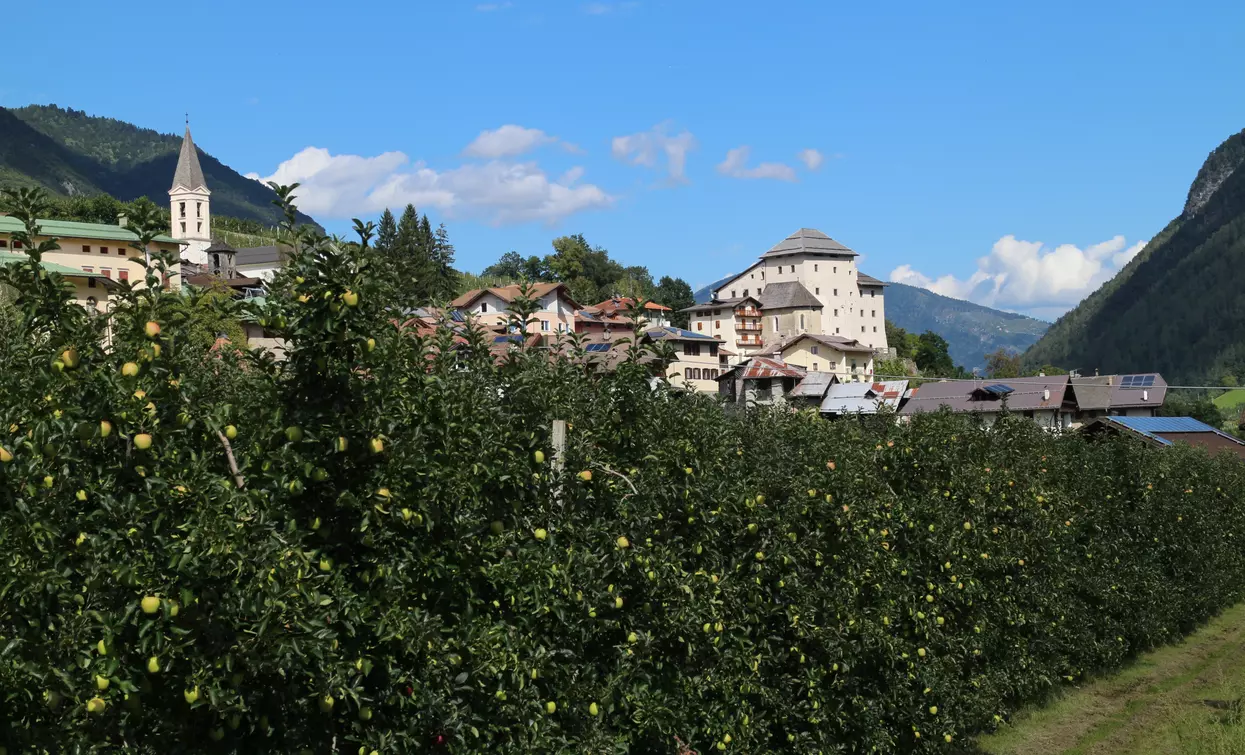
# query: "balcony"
748,325
748,341
747,312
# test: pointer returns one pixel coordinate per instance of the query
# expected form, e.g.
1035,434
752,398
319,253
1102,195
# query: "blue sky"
1012,155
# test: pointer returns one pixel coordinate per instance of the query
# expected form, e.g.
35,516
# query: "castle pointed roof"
808,240
189,175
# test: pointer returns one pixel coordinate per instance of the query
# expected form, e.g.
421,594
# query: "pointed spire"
189,175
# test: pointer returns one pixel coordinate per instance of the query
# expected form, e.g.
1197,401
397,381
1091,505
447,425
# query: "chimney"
122,219
1041,373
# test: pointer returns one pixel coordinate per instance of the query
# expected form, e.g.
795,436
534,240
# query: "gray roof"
1027,393
188,175
869,280
787,294
1103,392
720,304
863,398
813,385
259,255
219,246
845,345
810,241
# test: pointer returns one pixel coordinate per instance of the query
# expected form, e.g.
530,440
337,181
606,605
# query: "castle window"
836,292
198,209
199,227
183,228
182,209
801,322
873,293
814,267
775,323
817,291
873,313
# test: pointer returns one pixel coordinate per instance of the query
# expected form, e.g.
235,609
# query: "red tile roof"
511,292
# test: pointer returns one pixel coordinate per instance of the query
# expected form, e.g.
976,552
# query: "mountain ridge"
69,152
1174,308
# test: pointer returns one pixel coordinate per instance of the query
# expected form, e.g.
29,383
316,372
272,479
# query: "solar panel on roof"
511,338
1137,381
597,348
457,316
998,389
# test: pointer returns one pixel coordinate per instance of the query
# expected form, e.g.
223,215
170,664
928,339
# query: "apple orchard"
373,546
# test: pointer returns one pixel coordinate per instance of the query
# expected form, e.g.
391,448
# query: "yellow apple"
142,441
326,704
70,357
539,456
6,455
586,475
623,542
101,682
231,432
351,299
377,445
551,707
540,534
153,665
105,428
191,695
371,344
152,329
95,705
150,604
593,709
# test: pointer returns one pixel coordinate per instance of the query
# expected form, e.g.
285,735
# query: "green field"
1184,699
1231,399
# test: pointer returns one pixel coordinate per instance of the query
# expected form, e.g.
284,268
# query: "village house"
1044,399
491,307
759,380
806,283
1165,432
92,256
697,359
845,358
1117,396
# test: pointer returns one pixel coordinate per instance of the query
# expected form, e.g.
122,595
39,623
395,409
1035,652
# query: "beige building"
806,283
847,359
94,257
491,307
698,358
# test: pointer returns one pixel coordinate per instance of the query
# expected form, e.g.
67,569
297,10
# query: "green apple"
150,604
593,710
371,345
231,432
351,299
6,455
191,695
101,647
326,563
153,665
365,714
101,682
540,534
142,441
342,444
294,433
80,495
539,456
326,704
96,705
70,357
551,707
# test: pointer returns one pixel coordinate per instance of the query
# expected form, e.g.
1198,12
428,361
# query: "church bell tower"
189,204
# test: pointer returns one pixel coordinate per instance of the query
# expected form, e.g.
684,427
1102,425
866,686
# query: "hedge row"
399,566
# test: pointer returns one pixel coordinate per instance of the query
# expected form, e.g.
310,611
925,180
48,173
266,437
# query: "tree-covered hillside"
1176,307
69,152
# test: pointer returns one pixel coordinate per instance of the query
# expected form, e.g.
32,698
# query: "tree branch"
233,463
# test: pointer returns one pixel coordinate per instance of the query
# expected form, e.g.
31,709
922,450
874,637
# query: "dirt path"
1159,704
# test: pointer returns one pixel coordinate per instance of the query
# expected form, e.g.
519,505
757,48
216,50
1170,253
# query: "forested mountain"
71,153
971,330
1177,307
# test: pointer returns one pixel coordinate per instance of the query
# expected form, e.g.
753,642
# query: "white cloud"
490,7
498,191
508,141
735,166
811,158
1028,276
644,147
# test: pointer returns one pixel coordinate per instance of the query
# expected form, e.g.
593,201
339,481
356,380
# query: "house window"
181,210
691,349
814,349
817,291
17,245
86,248
732,293
862,329
717,323
873,313
873,293
103,250
483,307
814,267
700,325
745,292
544,325
123,275
713,349
836,331
814,366
88,269
92,302
775,322
693,374
875,328
836,313
90,283
106,272
836,268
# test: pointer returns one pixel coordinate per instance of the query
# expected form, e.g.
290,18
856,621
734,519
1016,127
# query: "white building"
190,204
806,283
